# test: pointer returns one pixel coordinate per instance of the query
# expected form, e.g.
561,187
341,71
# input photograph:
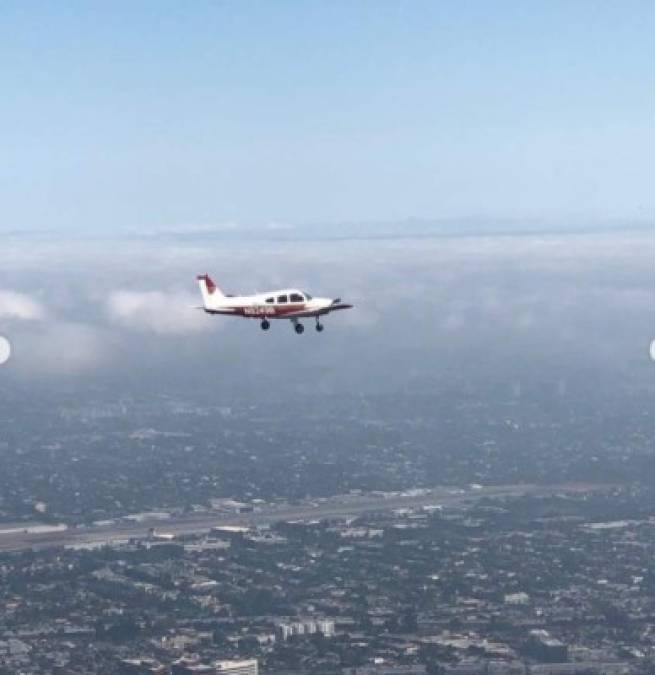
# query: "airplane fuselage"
267,305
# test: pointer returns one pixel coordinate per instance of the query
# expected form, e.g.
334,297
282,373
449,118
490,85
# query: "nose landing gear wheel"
319,326
299,328
266,324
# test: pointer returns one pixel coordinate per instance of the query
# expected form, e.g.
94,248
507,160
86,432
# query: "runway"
39,537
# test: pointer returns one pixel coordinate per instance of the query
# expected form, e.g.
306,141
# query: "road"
200,523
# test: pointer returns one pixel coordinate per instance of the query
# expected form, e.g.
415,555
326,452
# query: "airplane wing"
336,305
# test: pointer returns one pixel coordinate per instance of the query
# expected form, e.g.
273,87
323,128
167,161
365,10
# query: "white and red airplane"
288,303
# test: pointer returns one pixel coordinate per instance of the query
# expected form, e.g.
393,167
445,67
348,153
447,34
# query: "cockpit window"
270,300
281,298
308,296
296,297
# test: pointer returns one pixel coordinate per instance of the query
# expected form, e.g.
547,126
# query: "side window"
270,300
296,297
281,298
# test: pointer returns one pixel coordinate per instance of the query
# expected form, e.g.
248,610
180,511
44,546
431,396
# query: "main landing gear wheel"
266,324
299,328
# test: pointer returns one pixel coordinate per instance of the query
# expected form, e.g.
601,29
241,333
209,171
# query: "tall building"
246,667
326,627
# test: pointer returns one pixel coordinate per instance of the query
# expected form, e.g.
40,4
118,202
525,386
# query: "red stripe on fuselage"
260,311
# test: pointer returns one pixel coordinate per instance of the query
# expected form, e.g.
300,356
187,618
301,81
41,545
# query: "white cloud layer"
156,311
564,299
19,306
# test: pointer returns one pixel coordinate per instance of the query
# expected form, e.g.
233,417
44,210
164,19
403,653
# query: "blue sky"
132,116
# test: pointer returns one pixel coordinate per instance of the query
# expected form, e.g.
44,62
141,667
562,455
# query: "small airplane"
288,303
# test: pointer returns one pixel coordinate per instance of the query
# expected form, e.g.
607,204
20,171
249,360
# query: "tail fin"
211,293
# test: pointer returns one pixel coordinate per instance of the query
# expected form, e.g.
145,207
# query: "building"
581,668
141,667
325,627
246,667
506,668
285,631
306,627
310,626
517,599
544,648
385,670
186,666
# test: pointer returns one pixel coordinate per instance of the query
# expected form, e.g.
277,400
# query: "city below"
426,534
